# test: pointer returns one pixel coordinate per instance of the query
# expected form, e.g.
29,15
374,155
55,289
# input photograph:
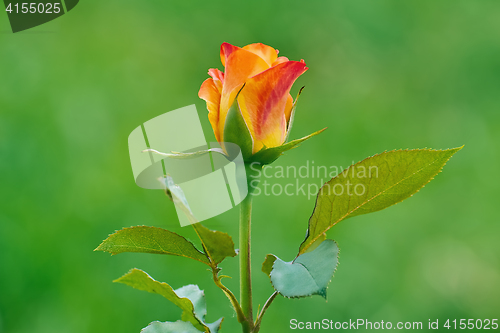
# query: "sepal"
237,132
269,155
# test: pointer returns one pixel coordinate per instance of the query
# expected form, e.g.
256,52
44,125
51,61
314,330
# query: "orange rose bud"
250,104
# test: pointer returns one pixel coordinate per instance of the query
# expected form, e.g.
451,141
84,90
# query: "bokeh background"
383,75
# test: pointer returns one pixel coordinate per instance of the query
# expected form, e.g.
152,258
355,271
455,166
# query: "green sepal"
269,155
181,155
236,130
307,275
292,115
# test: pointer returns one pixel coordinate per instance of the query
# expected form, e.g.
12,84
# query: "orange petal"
225,51
280,60
288,108
267,53
263,102
218,78
240,65
211,94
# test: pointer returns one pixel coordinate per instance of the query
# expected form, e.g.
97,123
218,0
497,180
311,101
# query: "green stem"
245,263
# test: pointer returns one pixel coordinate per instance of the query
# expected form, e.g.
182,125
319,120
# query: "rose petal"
211,94
280,60
267,53
288,108
240,65
218,78
263,102
225,51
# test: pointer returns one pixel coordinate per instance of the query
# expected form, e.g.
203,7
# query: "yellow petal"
218,78
267,53
211,94
288,107
240,66
264,101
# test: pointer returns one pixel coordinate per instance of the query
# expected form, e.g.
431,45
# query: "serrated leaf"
309,274
373,184
151,240
190,299
267,265
170,327
215,326
217,245
197,298
269,155
193,293
140,280
316,243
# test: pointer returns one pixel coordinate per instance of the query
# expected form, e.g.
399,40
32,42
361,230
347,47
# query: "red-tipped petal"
225,51
218,78
240,66
263,102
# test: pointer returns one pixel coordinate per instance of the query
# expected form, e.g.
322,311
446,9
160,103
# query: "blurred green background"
383,75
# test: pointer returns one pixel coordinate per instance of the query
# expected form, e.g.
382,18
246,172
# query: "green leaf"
218,245
196,296
140,280
215,326
269,155
316,243
169,327
267,265
151,240
190,299
309,274
373,184
236,130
